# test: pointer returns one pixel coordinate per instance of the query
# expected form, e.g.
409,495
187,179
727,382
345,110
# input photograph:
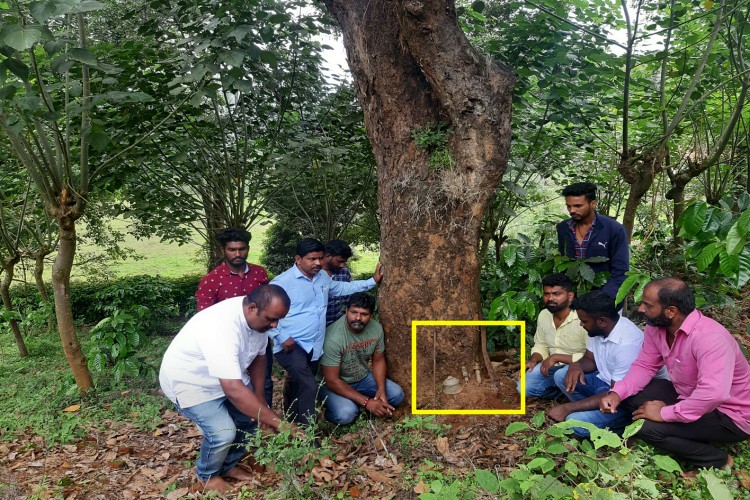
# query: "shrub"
94,300
281,246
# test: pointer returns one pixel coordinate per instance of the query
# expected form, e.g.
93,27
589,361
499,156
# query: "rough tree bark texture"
412,67
68,209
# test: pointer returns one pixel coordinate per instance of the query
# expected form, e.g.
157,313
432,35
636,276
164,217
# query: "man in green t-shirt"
351,343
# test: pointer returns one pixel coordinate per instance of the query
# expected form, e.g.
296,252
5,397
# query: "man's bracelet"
364,403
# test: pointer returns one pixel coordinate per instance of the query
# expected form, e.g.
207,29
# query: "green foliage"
293,458
35,390
117,339
413,430
280,248
600,467
433,138
511,288
714,259
718,239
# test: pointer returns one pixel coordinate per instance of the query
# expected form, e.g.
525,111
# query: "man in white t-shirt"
213,371
614,343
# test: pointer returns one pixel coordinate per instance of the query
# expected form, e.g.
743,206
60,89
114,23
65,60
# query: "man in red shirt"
234,277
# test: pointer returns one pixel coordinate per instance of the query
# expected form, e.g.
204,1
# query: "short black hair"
597,304
558,279
308,245
587,189
674,292
233,234
363,300
264,294
338,248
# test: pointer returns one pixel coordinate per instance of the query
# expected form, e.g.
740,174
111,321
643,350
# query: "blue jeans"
341,410
539,386
225,432
616,422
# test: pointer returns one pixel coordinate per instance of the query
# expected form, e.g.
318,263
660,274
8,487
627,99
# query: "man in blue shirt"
298,340
589,234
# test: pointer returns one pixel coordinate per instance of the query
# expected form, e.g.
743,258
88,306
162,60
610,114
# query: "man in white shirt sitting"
213,371
614,344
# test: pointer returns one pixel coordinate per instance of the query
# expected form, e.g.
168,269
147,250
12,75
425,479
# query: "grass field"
153,256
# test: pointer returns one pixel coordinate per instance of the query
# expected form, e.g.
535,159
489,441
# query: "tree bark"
66,213
39,274
639,172
9,263
413,68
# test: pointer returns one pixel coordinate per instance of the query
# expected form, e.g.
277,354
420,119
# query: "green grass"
35,390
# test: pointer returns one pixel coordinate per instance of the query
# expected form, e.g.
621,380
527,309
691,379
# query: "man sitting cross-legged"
351,342
614,344
559,339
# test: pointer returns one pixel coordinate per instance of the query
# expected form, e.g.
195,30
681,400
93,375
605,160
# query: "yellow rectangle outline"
416,323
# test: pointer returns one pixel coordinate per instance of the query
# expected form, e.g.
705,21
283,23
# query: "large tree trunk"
66,216
9,264
413,68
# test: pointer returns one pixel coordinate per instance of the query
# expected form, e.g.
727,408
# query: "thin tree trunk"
63,309
8,266
38,275
413,68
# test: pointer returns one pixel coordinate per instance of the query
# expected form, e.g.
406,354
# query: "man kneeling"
351,342
213,372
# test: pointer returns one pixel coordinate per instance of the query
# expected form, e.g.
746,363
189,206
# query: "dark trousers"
693,441
301,386
269,369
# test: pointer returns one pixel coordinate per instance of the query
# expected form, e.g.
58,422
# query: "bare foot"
216,483
239,474
730,463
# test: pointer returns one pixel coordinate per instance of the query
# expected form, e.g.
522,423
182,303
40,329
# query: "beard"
356,326
661,320
596,332
554,307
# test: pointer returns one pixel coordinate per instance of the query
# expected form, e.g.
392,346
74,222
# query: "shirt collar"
615,335
572,224
299,274
572,316
691,321
228,271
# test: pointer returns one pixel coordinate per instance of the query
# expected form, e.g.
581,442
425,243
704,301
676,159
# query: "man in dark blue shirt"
589,234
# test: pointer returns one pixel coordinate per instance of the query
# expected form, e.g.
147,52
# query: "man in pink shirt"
707,400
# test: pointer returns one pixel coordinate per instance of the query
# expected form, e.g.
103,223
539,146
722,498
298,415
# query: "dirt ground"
120,461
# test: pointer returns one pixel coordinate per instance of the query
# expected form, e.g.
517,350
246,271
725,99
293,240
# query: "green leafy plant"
511,288
293,458
603,466
433,138
116,340
412,430
715,257
717,238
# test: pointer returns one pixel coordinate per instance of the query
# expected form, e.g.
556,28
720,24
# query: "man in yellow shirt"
559,339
